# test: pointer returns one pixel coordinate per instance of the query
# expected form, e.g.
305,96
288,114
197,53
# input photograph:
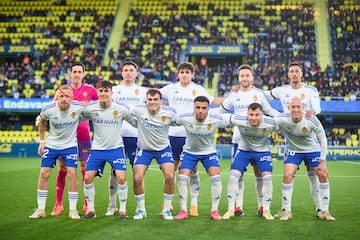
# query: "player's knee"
62,168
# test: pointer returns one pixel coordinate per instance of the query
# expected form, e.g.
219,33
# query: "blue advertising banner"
36,104
10,49
219,50
23,104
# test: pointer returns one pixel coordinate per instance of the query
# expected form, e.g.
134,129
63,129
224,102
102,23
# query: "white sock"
167,201
73,198
113,191
41,198
194,188
216,189
287,190
233,191
325,195
89,192
122,192
259,191
240,193
267,191
314,189
182,191
140,201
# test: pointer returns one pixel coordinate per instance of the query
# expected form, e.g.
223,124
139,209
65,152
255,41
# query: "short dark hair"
154,91
132,64
294,64
246,66
253,106
104,84
186,65
201,99
77,64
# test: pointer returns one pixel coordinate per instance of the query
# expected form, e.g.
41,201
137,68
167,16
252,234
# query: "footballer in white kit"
253,147
200,129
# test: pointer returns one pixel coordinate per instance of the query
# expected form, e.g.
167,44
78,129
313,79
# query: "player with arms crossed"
108,146
200,147
63,116
253,147
130,94
153,122
299,131
84,93
240,100
180,96
310,97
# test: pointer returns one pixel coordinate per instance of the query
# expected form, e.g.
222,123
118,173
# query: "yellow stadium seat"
341,131
335,130
354,136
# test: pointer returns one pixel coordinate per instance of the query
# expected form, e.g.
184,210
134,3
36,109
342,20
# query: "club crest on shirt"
85,94
136,91
302,96
115,114
73,115
193,92
255,98
163,119
209,126
304,130
264,131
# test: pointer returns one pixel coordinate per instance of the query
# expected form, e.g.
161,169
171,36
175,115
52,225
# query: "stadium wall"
25,150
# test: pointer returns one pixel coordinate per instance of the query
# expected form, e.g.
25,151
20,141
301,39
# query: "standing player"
63,116
299,131
84,93
130,94
310,97
107,118
253,147
240,100
153,122
181,96
199,146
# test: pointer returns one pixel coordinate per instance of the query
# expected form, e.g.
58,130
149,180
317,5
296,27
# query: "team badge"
255,98
85,94
136,91
264,131
302,96
193,92
115,114
209,126
73,115
304,130
163,119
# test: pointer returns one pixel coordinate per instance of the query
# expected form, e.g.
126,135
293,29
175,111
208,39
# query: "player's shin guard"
60,184
233,192
89,192
182,191
267,191
287,190
194,188
314,189
113,190
122,192
259,191
73,198
325,195
216,189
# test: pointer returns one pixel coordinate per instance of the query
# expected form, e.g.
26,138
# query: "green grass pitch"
18,184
